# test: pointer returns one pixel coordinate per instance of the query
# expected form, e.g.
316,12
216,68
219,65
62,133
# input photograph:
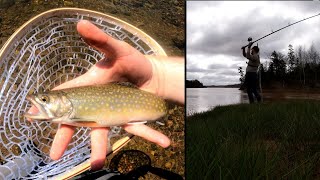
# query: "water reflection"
202,99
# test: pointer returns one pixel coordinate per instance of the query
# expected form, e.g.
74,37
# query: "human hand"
122,63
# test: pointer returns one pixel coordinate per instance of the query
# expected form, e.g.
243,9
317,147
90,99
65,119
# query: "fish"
112,104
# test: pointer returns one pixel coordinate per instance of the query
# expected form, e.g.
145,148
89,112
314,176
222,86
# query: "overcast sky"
216,31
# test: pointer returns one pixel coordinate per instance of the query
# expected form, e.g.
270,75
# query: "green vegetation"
279,140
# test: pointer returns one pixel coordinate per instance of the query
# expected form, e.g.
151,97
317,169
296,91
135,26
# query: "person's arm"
163,76
248,55
168,81
244,52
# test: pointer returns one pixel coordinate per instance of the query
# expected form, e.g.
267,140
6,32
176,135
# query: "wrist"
157,81
167,77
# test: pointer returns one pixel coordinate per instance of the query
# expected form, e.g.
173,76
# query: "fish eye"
44,99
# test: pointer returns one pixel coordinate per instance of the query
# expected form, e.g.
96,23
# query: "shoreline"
263,89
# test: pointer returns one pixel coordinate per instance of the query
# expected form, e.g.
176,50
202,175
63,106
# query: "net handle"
9,44
86,164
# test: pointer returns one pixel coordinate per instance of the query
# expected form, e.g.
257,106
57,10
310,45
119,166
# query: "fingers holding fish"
96,38
99,138
61,141
124,62
148,133
111,104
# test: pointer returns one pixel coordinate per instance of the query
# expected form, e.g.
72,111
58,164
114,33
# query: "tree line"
194,84
297,68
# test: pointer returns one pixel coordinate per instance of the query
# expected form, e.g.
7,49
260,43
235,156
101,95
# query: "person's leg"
257,94
255,87
250,95
249,87
244,84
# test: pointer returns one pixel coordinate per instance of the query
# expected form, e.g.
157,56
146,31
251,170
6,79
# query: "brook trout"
98,106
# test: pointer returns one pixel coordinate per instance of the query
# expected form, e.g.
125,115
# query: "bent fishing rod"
250,39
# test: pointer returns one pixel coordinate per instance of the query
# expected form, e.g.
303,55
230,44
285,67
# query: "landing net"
43,53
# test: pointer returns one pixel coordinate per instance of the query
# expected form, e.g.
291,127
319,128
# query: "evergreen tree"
241,79
300,62
298,67
278,65
314,60
193,84
291,59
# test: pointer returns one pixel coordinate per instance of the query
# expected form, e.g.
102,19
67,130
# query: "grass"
279,140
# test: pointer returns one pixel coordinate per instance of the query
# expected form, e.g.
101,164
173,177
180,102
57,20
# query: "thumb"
98,39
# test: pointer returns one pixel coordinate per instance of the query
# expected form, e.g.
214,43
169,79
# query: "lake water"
202,99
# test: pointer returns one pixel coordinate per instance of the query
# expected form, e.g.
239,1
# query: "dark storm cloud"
235,66
303,6
217,66
192,76
230,40
215,73
223,35
212,67
195,69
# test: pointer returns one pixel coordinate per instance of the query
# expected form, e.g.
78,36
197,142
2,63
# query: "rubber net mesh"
42,57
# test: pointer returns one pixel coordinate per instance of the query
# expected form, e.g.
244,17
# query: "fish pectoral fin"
81,122
137,122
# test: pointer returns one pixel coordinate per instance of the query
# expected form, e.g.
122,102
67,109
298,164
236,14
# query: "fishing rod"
250,39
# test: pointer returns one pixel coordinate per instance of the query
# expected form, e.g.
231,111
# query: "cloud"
216,31
217,66
219,79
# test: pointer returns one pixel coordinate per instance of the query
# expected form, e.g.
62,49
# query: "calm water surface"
203,99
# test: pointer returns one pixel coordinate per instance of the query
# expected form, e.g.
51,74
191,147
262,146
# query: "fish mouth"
37,111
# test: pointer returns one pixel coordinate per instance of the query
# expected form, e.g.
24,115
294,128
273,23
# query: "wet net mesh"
45,53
